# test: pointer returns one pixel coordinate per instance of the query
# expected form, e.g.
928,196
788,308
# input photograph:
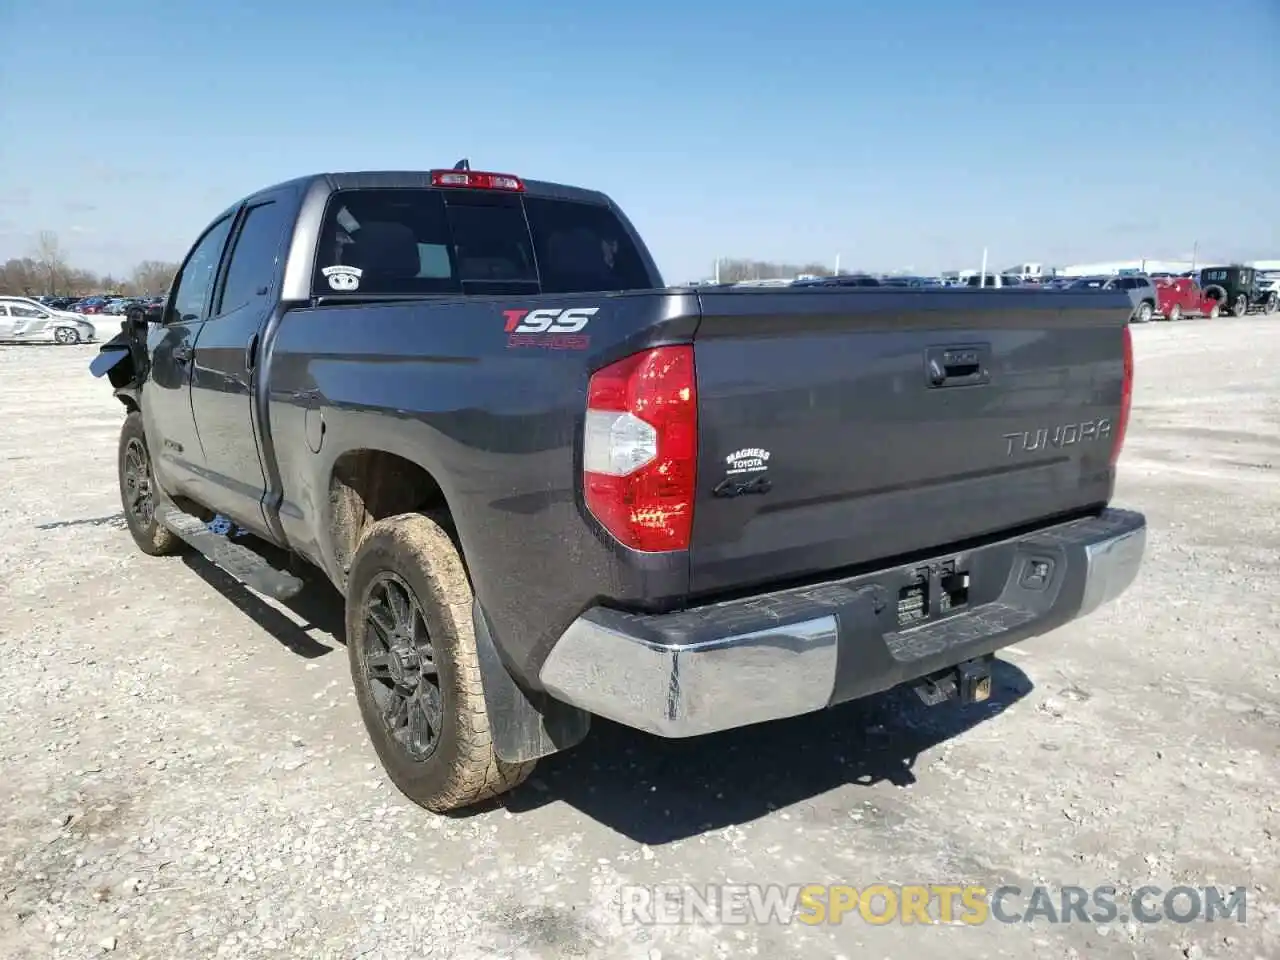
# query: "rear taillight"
1126,398
640,448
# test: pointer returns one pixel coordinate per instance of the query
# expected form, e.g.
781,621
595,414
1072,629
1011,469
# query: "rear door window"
254,254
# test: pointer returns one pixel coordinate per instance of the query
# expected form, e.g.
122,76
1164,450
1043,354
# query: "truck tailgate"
842,427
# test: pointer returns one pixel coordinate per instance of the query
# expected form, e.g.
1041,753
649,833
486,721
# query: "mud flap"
525,725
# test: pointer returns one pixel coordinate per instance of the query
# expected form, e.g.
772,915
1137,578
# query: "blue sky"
904,134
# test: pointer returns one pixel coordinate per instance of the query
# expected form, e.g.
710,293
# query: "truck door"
222,380
166,404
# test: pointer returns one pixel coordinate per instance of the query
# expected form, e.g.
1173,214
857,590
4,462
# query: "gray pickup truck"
550,487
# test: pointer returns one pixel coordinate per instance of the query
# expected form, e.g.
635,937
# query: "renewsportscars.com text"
969,904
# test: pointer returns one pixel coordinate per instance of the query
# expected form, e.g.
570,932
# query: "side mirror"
139,315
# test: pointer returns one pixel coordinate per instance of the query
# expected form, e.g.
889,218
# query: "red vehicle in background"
1177,297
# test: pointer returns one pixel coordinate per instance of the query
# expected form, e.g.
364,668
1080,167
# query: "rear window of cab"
410,241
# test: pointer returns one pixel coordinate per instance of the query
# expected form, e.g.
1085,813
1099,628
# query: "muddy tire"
138,491
412,652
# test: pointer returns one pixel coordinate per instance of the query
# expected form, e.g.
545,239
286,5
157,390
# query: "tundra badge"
1065,435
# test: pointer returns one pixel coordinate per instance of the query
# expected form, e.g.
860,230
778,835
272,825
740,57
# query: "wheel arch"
129,396
368,484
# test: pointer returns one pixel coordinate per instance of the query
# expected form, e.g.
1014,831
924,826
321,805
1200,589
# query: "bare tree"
48,272
19,277
51,262
737,270
81,283
152,277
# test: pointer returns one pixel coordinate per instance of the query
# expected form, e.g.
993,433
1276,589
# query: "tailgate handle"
958,366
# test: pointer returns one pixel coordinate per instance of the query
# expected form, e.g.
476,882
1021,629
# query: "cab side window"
191,298
253,257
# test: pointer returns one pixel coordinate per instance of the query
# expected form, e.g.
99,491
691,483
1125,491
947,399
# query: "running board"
250,568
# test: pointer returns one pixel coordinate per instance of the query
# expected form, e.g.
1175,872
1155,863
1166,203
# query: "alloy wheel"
400,666
137,483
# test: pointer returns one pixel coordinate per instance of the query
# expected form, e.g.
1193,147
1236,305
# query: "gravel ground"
185,773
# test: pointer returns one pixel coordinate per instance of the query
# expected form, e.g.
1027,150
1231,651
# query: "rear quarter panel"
497,423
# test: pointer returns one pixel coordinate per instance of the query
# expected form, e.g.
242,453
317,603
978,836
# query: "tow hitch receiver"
968,682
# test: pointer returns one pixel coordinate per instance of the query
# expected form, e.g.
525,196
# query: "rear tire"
1174,314
412,651
1214,311
138,491
1143,313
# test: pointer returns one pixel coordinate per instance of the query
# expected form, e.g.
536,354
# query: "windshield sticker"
344,278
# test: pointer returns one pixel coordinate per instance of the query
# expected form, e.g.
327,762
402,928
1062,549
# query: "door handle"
182,353
957,366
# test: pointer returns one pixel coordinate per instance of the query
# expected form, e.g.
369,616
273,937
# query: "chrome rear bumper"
796,651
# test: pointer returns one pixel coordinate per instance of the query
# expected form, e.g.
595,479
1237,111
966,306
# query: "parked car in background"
1026,272
995,280
91,306
914,282
1177,297
842,280
22,318
1139,287
1269,282
1239,289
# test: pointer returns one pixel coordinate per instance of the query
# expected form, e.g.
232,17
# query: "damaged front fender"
110,354
123,361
